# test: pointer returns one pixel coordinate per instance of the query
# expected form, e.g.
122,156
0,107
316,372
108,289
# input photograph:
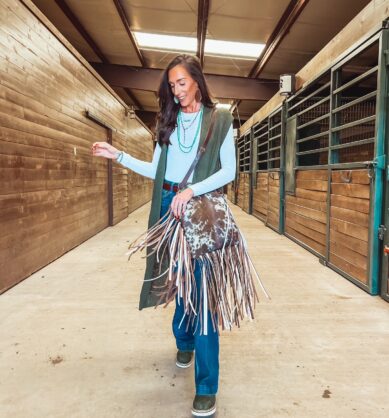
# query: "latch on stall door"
378,162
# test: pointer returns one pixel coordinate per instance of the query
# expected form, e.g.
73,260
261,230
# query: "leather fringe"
227,286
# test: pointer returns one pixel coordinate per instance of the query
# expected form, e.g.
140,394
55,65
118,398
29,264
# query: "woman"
183,122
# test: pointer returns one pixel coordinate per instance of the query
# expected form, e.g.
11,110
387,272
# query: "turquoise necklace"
183,147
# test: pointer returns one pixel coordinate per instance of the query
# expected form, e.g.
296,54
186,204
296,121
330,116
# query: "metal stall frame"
262,128
235,181
244,163
280,169
376,166
382,131
296,166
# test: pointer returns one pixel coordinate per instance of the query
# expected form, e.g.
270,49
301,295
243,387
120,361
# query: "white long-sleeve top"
178,162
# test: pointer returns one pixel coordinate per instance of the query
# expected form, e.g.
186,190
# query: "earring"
198,96
176,101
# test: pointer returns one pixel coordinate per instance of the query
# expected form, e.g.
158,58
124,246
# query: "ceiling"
293,31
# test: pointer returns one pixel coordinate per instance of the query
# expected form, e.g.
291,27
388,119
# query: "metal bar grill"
317,91
312,110
356,80
261,136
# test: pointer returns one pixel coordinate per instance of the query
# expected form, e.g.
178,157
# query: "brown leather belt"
168,186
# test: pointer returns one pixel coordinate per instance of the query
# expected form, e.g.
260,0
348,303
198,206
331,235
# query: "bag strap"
200,152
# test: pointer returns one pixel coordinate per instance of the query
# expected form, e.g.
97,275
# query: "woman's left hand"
180,200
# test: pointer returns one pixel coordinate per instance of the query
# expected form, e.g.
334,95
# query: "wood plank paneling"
353,203
274,200
308,232
350,268
351,216
352,176
310,223
352,190
305,240
305,213
243,191
349,222
306,217
309,213
266,198
349,229
358,245
260,196
312,195
319,185
53,192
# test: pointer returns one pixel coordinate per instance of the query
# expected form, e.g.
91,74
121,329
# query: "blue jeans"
206,347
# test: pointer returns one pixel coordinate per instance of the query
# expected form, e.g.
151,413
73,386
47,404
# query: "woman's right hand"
103,149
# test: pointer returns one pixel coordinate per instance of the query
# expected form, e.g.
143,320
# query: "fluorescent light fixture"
223,105
233,49
189,44
165,42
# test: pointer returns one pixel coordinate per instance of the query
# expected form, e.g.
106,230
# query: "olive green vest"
208,165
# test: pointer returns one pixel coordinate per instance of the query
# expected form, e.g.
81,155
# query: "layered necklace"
183,147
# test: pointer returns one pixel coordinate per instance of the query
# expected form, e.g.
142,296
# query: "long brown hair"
168,109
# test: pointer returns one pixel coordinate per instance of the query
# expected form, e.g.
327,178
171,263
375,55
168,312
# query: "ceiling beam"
123,16
292,12
78,25
83,32
202,24
221,86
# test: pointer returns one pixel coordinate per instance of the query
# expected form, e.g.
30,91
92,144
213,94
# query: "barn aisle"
73,343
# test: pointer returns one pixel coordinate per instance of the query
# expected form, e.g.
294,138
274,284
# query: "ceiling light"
165,42
189,44
234,49
223,105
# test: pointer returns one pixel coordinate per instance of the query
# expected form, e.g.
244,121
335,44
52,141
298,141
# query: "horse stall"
318,164
267,182
333,198
244,178
54,194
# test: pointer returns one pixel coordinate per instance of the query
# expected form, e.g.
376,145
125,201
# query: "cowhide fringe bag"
206,233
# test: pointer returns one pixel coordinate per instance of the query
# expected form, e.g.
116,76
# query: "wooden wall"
266,198
306,217
231,192
243,193
261,196
305,212
273,214
130,189
349,222
53,193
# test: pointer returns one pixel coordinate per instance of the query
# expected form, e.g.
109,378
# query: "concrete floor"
74,344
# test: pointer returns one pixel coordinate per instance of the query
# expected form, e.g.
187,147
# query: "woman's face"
183,86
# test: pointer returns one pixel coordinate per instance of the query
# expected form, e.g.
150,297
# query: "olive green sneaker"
204,405
184,359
